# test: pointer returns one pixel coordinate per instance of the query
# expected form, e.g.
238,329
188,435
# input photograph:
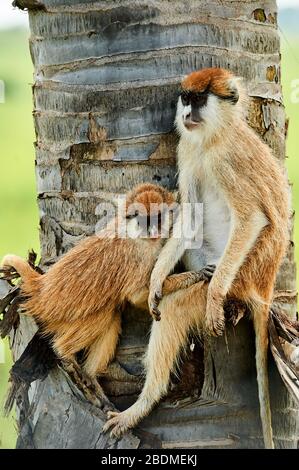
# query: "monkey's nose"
188,117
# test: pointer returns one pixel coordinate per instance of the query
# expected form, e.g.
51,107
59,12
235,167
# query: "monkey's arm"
180,281
169,256
174,283
174,249
246,228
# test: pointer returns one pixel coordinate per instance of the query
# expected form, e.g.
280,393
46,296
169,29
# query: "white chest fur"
216,213
216,222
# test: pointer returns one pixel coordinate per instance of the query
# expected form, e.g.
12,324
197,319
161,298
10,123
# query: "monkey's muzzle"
190,123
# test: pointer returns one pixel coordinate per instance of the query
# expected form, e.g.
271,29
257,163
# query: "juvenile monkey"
79,300
226,166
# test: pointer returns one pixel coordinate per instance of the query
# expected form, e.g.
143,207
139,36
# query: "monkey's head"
149,211
209,99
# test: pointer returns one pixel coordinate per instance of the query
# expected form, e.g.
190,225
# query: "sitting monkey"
223,164
78,302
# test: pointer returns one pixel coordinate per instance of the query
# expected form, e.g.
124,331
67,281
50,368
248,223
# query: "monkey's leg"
180,281
102,351
172,284
176,282
180,312
260,321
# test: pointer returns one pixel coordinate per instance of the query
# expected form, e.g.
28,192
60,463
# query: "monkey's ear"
233,90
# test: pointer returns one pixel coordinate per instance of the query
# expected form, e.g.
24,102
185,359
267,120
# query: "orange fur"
78,302
79,299
145,195
216,80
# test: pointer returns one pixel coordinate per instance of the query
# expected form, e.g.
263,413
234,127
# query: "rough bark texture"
106,85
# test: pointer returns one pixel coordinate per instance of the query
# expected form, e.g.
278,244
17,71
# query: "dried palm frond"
9,307
284,345
34,364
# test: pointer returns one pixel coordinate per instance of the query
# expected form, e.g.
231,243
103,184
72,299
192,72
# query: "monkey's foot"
119,422
215,323
154,300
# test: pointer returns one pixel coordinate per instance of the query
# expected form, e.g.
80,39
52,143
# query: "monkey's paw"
215,319
207,272
155,296
119,422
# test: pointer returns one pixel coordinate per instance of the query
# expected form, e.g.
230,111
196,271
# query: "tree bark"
105,91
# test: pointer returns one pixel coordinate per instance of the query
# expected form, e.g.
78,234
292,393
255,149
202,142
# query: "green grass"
290,72
18,211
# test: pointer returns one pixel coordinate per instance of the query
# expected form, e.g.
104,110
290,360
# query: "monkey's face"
191,108
149,212
206,100
144,225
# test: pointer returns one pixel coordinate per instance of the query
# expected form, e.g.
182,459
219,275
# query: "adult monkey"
226,166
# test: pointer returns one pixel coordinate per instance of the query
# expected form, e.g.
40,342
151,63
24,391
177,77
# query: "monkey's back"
90,281
265,181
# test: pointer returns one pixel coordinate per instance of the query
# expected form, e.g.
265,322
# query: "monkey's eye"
195,99
185,97
199,99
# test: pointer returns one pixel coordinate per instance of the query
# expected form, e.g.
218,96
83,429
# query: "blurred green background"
18,210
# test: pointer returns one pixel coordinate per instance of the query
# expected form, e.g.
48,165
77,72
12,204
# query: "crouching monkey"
78,302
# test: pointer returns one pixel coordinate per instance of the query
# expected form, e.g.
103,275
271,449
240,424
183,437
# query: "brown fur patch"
214,79
148,194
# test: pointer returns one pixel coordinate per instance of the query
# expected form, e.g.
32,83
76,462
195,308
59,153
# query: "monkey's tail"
260,321
27,273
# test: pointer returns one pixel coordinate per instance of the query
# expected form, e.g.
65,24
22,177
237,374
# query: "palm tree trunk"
105,90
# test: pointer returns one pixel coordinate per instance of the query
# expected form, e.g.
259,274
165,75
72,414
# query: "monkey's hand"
155,296
215,320
206,273
118,422
174,283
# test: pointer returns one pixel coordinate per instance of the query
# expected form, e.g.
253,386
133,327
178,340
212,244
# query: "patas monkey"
78,302
226,166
